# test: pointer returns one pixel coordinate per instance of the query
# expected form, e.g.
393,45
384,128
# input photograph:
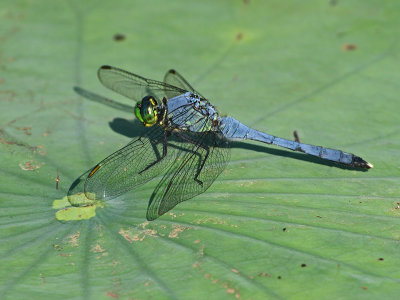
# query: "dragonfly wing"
179,182
134,86
172,77
122,170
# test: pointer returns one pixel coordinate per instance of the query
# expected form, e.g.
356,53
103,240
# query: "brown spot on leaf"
349,47
196,264
364,288
30,165
74,239
131,237
380,258
26,130
177,229
303,265
119,37
112,295
7,140
41,152
239,36
125,235
97,248
235,271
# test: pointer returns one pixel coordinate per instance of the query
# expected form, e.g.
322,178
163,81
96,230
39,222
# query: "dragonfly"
186,143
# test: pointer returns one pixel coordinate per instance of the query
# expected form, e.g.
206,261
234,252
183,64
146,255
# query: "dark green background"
276,66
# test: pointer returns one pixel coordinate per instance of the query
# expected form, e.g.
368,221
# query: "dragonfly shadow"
133,128
102,100
129,128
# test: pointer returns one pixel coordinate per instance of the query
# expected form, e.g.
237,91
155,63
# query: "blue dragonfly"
186,143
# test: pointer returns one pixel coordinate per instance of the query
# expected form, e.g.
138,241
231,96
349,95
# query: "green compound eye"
146,111
137,111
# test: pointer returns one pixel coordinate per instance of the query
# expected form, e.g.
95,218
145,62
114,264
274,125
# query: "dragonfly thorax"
146,111
191,112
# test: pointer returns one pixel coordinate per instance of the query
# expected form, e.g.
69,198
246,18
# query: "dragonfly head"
146,111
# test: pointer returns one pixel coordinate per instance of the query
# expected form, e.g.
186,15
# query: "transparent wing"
134,86
173,78
121,171
200,164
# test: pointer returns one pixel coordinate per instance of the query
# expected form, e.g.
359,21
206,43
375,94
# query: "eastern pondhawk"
186,144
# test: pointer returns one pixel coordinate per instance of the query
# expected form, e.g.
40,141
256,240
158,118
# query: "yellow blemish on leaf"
84,210
80,199
61,203
76,213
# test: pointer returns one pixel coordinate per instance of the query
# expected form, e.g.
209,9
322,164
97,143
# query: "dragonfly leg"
164,141
205,147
